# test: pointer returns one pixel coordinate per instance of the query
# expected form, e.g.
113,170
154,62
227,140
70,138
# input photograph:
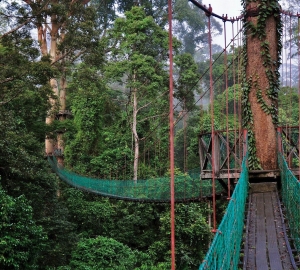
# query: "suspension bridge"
255,164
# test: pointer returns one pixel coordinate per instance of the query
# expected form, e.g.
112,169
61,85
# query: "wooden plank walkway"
265,246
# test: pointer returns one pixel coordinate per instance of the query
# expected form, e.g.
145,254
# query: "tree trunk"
49,144
62,105
135,135
264,126
62,117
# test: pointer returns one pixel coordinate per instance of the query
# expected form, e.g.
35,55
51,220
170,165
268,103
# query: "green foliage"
21,240
42,220
94,112
192,236
288,106
187,81
137,66
219,69
102,253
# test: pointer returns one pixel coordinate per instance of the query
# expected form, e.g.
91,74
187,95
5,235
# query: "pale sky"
231,7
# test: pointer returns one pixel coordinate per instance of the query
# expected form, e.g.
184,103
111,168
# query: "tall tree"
261,84
71,26
138,58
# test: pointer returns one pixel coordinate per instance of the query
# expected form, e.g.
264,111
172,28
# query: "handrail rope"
209,11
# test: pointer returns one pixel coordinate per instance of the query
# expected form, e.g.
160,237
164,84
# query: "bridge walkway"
266,245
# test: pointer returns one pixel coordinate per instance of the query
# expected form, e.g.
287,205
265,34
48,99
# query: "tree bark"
263,126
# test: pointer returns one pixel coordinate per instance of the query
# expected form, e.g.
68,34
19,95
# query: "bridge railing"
290,192
224,252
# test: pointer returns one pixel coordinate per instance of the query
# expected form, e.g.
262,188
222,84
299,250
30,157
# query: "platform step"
263,187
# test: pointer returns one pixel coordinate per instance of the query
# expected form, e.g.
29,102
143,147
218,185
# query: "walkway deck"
266,246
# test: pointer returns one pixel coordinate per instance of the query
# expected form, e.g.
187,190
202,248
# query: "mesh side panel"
224,251
290,191
187,187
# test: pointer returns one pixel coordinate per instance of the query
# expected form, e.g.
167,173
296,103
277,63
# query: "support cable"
171,135
234,103
299,90
286,57
227,111
208,14
290,62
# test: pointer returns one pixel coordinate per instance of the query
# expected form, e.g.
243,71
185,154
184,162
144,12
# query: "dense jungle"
92,77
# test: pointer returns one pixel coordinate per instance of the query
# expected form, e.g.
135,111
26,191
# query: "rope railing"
224,252
290,192
187,187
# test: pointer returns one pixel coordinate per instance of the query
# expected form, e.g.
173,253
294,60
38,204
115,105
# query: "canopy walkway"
264,238
187,187
258,239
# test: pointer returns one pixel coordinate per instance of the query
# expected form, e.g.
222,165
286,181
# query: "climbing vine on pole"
257,14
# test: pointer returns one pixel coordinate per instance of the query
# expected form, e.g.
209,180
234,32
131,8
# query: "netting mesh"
224,251
290,192
187,187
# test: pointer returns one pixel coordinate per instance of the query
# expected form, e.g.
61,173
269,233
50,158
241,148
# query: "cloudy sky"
231,7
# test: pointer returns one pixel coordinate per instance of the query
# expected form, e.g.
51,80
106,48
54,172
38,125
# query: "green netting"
290,192
187,187
224,251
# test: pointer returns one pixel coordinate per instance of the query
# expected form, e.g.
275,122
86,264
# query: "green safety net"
187,187
290,192
224,252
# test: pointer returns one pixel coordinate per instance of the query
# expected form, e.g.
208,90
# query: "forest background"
106,62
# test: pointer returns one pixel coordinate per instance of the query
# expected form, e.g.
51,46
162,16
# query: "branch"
17,28
66,54
153,116
151,101
146,105
78,54
9,100
29,2
7,80
60,57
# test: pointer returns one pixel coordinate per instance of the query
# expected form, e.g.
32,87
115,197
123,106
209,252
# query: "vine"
264,10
